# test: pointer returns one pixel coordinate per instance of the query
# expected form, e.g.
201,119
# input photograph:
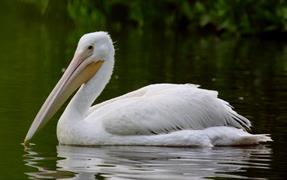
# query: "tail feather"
230,136
254,139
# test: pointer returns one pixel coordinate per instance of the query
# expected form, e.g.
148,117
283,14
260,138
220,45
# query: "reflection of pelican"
137,162
159,114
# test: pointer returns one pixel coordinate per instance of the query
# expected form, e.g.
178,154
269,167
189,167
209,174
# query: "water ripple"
126,162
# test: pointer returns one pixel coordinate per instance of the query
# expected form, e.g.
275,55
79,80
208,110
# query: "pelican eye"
90,47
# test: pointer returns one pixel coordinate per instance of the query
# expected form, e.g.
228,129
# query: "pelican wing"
164,108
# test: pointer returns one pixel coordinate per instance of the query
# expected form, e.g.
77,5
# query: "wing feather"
163,108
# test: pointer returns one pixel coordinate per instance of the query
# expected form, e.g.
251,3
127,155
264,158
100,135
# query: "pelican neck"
89,91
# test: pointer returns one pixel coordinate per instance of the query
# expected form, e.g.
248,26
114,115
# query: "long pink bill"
78,72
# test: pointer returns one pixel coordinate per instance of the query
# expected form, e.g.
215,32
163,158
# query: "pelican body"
157,114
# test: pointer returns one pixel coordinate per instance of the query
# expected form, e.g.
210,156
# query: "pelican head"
93,50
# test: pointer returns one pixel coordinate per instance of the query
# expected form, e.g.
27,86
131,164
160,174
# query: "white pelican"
157,114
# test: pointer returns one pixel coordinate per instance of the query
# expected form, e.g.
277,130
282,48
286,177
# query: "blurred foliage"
217,16
40,4
237,16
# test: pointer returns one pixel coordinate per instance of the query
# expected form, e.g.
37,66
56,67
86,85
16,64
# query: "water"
126,162
36,44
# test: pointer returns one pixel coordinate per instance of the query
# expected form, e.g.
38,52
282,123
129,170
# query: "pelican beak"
78,72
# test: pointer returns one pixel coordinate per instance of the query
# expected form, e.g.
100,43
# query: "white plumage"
158,114
163,108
